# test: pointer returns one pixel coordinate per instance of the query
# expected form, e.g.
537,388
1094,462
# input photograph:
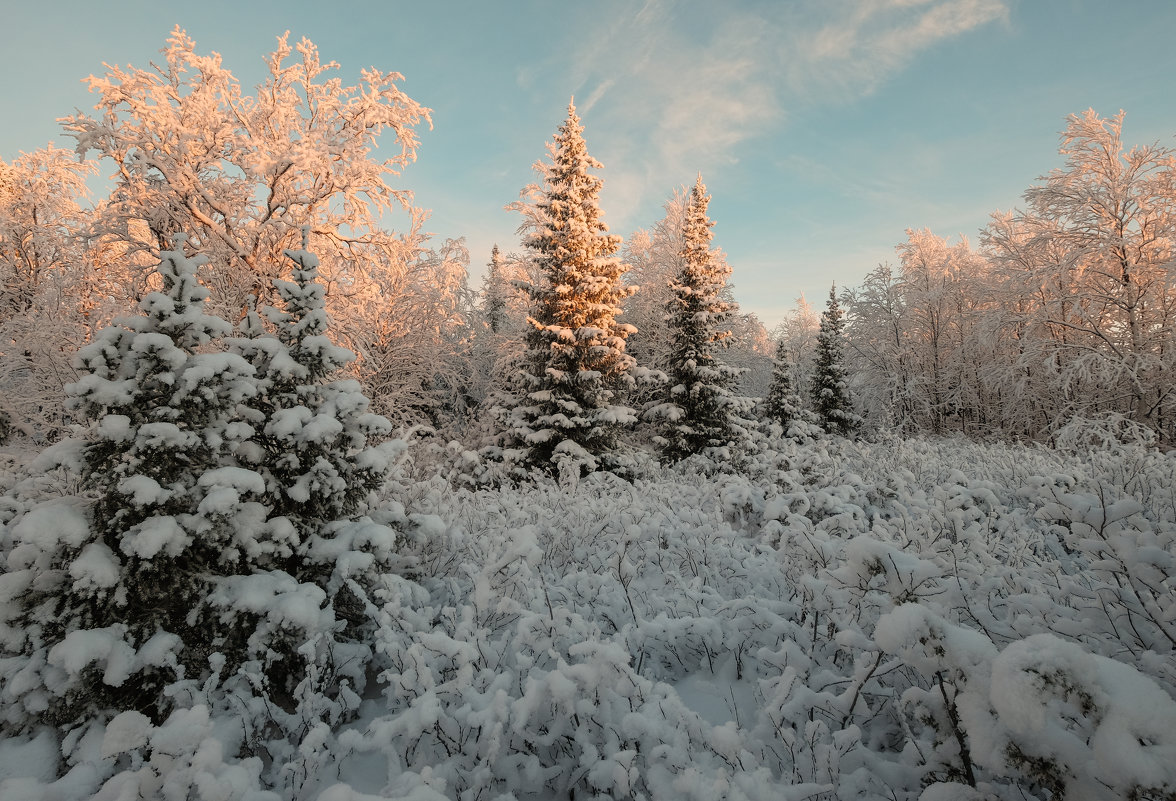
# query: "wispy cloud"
852,47
676,87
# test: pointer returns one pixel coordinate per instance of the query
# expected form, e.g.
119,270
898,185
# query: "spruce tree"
120,605
312,431
566,412
782,405
829,389
494,292
700,413
312,444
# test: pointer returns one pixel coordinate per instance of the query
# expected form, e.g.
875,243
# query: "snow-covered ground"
890,620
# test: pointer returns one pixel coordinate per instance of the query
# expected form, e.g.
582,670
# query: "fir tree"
829,390
171,513
567,412
782,405
700,412
494,293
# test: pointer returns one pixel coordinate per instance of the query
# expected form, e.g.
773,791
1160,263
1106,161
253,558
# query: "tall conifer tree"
700,412
830,392
567,411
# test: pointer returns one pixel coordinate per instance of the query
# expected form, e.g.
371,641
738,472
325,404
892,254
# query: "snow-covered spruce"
313,445
565,417
782,406
193,580
829,389
114,593
700,413
311,431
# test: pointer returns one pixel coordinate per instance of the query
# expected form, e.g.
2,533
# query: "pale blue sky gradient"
822,128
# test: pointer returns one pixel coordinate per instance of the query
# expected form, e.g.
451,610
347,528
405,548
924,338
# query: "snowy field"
899,620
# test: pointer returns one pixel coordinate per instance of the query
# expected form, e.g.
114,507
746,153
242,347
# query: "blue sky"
822,128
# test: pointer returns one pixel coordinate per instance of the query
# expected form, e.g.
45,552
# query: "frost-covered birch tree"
45,288
193,150
655,259
1092,255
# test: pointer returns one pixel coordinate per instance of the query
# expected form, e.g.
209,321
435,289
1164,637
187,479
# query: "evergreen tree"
311,433
700,412
311,444
782,405
494,293
120,605
566,412
829,390
224,552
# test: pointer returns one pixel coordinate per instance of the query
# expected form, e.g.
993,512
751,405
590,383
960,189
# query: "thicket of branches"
1064,312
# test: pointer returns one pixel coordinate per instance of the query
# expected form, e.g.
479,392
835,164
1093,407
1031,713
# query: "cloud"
672,88
853,52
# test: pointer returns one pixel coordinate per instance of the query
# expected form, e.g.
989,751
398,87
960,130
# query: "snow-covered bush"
899,619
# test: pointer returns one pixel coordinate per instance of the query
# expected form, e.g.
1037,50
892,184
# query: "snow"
126,732
50,524
96,566
79,649
156,534
804,630
25,757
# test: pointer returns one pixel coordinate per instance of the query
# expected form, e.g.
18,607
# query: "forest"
289,510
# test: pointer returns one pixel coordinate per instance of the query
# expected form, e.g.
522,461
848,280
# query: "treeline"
1062,314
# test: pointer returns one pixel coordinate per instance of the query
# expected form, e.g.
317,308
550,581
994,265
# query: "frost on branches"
45,301
241,170
829,389
700,413
566,417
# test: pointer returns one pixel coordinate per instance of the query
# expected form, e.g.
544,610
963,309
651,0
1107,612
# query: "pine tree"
567,411
700,412
312,445
311,433
494,293
782,405
121,608
829,390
